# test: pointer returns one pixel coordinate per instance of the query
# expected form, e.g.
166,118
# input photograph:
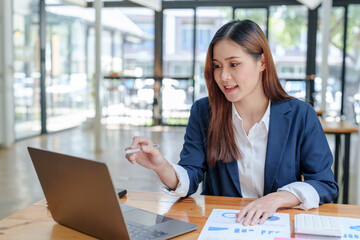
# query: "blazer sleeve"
193,154
317,159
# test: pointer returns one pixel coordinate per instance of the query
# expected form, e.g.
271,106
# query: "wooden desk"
35,222
338,129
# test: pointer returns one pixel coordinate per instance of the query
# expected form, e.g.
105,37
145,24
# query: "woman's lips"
229,89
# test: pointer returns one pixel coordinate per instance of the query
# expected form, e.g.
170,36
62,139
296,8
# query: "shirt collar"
265,119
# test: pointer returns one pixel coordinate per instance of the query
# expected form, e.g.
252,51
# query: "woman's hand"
259,210
152,158
149,157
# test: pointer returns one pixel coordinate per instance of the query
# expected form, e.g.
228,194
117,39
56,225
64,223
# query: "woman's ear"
261,63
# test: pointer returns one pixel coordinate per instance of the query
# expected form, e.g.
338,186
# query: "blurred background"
128,49
152,70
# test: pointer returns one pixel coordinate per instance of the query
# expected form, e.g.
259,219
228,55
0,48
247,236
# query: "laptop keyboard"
142,232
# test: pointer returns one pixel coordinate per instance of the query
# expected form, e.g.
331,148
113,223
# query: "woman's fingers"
248,217
148,156
252,217
140,141
240,215
131,158
149,149
258,211
265,216
256,217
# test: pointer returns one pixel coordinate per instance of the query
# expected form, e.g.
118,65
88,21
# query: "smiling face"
236,72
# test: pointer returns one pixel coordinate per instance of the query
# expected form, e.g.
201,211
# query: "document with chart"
222,224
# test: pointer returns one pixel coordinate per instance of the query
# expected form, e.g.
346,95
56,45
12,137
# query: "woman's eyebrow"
228,58
232,57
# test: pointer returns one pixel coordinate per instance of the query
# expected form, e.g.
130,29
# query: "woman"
250,138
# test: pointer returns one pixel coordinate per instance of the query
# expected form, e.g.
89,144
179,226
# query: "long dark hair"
221,144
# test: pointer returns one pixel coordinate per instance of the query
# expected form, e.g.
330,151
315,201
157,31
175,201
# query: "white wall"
6,82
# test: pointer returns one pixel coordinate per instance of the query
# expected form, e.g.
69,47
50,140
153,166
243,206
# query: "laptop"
80,195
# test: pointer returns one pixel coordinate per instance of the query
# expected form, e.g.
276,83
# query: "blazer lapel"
232,168
279,127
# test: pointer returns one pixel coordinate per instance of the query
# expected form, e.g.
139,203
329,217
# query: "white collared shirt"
253,148
251,166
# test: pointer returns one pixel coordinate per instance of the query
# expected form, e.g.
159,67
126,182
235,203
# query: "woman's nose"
225,75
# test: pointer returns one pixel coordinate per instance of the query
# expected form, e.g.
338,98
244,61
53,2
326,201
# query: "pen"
139,149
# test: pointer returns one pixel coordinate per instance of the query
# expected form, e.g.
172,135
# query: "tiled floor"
19,186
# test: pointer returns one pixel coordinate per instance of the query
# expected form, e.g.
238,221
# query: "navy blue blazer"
296,147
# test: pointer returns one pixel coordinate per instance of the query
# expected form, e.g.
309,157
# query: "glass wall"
128,60
26,68
351,107
335,56
178,42
288,45
258,15
178,59
128,55
352,60
139,52
208,21
66,78
127,50
117,53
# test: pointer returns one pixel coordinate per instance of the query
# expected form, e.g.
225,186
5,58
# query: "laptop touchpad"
143,217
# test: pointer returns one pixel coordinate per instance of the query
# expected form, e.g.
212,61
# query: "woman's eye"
217,65
233,64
